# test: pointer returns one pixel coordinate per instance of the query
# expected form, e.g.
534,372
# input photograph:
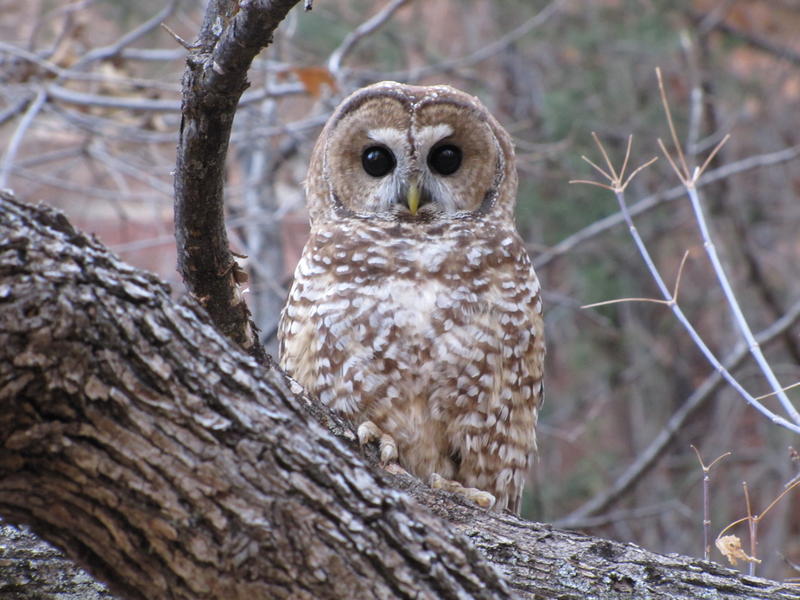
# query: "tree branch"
232,34
169,464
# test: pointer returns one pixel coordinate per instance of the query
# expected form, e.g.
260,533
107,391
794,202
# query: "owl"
415,311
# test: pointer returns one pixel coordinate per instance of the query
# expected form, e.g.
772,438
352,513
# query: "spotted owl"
415,310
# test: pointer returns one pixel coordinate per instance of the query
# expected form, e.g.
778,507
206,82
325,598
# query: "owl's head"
413,153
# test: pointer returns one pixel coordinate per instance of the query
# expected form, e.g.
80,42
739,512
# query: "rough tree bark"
171,465
157,455
232,34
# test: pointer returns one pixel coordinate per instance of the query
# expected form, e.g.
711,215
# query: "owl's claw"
369,432
479,497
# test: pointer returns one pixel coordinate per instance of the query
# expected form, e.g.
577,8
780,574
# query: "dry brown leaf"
731,548
313,78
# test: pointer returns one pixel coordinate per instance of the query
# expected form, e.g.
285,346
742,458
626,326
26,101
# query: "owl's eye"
445,160
378,161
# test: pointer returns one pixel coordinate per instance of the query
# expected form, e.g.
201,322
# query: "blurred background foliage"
553,73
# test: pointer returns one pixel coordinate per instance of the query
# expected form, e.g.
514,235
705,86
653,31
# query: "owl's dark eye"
378,161
445,160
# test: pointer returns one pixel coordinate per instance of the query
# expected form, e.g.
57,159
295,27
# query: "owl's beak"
412,198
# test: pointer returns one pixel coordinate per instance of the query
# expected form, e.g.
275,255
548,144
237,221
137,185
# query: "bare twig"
707,499
359,33
484,53
181,42
696,95
689,178
126,40
618,187
152,54
649,202
69,96
785,52
19,134
668,302
647,458
752,522
71,74
752,527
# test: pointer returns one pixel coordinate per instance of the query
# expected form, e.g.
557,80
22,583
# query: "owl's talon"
480,497
369,432
388,449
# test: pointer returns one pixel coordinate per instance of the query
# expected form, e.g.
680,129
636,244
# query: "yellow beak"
412,198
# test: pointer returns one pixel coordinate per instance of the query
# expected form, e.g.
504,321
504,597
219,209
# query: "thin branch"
69,96
617,182
786,389
647,203
647,458
752,527
178,39
696,94
129,38
761,43
19,135
672,131
707,499
699,172
359,33
711,250
668,302
73,75
679,314
733,303
480,55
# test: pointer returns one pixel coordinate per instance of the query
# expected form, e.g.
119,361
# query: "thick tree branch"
30,569
171,465
232,34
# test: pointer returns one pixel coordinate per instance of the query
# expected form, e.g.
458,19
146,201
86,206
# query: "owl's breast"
381,313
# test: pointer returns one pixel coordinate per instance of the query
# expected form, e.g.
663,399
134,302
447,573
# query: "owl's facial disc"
428,159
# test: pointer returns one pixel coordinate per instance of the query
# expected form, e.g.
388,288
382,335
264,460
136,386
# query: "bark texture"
31,569
233,33
171,465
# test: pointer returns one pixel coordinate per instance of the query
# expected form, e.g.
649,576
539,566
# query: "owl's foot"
479,497
369,432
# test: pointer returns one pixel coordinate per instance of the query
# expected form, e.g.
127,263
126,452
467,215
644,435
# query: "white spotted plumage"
426,325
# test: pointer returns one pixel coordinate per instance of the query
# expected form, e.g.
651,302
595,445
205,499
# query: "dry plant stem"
696,338
752,528
733,303
752,522
689,177
617,184
648,457
673,298
649,202
215,78
707,500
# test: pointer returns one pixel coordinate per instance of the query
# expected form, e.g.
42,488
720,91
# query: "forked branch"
689,179
617,183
